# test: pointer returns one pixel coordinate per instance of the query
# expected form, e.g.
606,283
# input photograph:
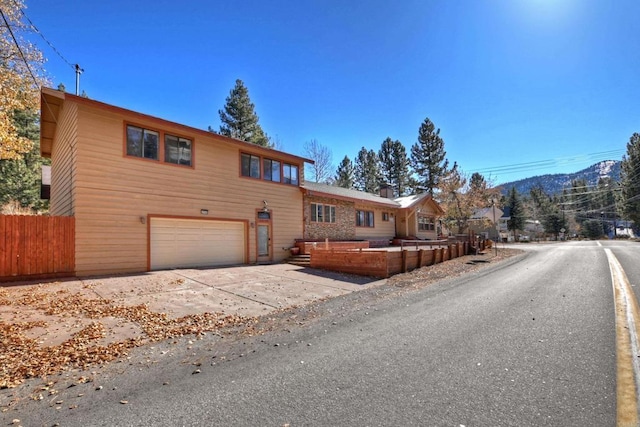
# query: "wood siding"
36,246
382,229
63,165
114,193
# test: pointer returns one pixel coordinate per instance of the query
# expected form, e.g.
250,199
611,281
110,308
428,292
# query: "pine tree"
516,222
20,178
367,171
479,193
345,175
631,180
548,210
394,165
239,119
428,157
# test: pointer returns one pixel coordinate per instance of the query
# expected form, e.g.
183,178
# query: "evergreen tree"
479,193
631,180
345,175
394,165
367,171
428,157
239,119
553,223
592,229
547,211
516,222
20,178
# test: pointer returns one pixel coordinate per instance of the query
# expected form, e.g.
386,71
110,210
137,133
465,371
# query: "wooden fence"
36,246
381,263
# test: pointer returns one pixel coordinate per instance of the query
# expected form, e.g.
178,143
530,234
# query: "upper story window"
148,144
177,150
323,213
290,174
271,170
254,166
364,219
142,142
250,165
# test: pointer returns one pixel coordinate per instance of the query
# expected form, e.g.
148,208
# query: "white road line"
627,346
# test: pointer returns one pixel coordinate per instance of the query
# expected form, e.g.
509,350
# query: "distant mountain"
554,183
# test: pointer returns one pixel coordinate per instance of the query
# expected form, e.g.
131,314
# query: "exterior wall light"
204,211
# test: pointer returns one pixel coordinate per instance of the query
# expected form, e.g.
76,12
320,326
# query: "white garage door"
179,243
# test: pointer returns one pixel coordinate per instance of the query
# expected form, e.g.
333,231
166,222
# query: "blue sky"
518,87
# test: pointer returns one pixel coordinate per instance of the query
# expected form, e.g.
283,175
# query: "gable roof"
317,189
406,202
487,213
51,101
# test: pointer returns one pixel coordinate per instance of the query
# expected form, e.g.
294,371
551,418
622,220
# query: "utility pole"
78,72
495,224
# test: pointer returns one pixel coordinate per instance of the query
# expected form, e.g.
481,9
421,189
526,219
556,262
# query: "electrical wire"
548,163
15,41
33,26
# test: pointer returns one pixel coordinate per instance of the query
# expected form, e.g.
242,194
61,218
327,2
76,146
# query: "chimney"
386,191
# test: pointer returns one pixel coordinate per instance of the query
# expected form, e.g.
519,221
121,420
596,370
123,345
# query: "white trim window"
323,213
426,223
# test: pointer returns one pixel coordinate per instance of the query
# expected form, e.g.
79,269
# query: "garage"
180,243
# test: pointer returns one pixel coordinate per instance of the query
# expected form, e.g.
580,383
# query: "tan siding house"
337,213
148,193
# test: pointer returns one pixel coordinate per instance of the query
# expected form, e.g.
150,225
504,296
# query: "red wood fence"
36,246
381,263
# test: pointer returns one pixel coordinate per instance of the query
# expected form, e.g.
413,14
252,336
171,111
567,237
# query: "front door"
263,241
263,236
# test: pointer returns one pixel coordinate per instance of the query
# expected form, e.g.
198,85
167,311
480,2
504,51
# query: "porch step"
302,260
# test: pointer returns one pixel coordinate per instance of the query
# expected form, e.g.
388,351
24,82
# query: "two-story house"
148,193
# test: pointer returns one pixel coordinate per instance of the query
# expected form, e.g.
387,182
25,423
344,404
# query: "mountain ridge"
555,183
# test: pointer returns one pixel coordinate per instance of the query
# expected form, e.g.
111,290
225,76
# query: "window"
147,144
385,216
323,213
364,219
255,166
250,165
271,170
177,150
142,143
425,223
290,173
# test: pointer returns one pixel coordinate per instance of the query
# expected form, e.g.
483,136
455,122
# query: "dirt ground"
48,328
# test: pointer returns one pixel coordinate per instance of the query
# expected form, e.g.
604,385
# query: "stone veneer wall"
343,229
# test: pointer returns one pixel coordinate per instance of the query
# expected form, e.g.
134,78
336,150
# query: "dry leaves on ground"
22,357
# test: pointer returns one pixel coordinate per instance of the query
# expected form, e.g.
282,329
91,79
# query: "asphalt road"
530,342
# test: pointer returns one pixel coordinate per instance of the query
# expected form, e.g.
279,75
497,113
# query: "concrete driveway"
243,290
57,311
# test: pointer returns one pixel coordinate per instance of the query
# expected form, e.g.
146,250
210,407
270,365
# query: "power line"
15,41
33,26
541,164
